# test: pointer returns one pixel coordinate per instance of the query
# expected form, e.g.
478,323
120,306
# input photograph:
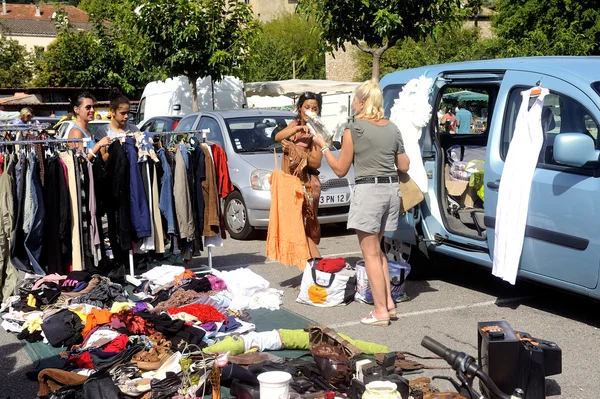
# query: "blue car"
561,247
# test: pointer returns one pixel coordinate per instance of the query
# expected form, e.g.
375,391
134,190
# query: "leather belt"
377,180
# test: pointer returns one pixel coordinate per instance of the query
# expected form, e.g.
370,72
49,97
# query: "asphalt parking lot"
446,304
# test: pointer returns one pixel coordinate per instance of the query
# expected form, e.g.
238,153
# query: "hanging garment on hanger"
147,244
183,206
76,257
199,171
159,239
515,187
34,239
211,202
58,218
117,202
18,255
166,205
286,239
8,273
140,212
224,184
84,203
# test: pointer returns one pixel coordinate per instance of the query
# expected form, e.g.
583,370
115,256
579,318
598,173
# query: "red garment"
135,324
118,344
224,185
332,265
81,361
204,313
1,163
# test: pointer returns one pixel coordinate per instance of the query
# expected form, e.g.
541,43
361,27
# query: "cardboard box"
461,190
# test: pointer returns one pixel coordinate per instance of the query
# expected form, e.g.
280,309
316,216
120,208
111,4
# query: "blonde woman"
375,146
25,116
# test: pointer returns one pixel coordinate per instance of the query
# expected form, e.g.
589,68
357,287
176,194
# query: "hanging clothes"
140,213
515,187
199,171
224,184
181,192
77,260
8,273
286,240
211,200
159,239
166,205
58,218
34,239
18,255
116,203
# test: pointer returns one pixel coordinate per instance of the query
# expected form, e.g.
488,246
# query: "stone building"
266,10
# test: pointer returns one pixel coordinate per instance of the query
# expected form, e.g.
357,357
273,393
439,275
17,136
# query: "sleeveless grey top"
375,148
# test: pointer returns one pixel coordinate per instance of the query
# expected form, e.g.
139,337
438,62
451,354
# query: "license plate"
329,199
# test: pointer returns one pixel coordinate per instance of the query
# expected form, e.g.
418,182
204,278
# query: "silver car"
247,138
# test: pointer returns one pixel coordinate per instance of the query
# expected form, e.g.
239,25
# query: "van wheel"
415,255
236,217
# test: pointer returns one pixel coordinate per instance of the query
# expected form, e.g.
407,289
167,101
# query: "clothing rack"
44,141
131,277
36,127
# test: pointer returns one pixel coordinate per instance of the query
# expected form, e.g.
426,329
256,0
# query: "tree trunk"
376,65
194,85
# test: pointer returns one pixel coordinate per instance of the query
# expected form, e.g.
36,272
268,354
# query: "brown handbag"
411,193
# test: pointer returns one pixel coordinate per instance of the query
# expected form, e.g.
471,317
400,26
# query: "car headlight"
259,179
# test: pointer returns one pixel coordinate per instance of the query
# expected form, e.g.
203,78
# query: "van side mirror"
576,149
337,145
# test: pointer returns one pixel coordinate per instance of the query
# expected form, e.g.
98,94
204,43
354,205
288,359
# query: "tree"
375,25
409,53
15,63
282,45
104,56
195,38
102,9
548,27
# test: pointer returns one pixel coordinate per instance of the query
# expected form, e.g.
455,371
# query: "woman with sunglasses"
84,107
302,158
374,145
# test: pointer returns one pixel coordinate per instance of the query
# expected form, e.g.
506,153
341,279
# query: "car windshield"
257,133
93,127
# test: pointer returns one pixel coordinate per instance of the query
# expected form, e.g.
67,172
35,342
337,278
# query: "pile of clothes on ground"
175,335
151,340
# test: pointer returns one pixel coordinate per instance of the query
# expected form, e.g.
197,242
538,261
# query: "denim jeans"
166,193
34,239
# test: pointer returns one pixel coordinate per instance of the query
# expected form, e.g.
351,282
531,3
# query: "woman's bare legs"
386,274
369,245
312,248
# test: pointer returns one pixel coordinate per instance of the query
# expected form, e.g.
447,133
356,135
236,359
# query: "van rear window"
390,93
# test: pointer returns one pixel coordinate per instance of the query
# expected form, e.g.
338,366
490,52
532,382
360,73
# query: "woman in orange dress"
303,159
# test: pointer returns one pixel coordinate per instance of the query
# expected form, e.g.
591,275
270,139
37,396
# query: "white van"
174,96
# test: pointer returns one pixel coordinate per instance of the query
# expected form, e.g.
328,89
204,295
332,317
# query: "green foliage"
548,27
280,42
101,9
379,24
15,63
457,45
195,38
104,56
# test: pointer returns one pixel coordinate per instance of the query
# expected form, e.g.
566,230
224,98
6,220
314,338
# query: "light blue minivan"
562,237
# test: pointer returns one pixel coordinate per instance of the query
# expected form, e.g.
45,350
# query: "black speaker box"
512,362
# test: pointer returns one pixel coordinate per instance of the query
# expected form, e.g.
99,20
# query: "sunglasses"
312,96
88,107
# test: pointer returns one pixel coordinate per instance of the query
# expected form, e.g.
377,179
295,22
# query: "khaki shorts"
374,207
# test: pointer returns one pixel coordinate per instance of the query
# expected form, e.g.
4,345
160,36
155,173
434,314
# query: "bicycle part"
466,368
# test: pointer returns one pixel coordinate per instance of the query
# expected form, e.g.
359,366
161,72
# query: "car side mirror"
337,145
576,149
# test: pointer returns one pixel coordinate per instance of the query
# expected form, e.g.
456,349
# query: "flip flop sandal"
372,321
393,314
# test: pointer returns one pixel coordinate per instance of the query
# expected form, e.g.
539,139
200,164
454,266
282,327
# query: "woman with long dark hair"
119,121
84,107
303,159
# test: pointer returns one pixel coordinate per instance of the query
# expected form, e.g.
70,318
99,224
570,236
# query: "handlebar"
461,362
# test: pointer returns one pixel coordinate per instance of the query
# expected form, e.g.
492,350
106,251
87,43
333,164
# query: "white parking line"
505,301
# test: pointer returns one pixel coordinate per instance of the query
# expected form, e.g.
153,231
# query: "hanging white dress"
515,188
